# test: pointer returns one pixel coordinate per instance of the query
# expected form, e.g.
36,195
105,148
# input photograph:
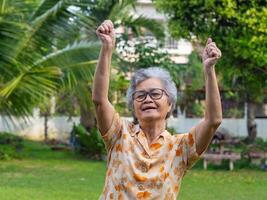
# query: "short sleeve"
190,154
113,133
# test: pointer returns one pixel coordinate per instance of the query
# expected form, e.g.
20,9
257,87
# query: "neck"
152,129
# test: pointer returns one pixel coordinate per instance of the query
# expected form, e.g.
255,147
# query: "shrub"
88,144
11,146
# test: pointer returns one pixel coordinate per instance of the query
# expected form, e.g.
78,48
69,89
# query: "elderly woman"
144,160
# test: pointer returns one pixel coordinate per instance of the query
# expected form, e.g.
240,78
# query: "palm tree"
121,13
35,59
48,45
41,52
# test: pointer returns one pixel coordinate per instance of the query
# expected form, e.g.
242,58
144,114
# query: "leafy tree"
120,12
142,53
240,30
34,63
48,47
192,81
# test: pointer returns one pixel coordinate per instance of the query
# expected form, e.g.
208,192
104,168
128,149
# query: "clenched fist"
211,54
106,34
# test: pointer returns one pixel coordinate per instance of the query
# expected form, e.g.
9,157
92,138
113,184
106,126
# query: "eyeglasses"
154,93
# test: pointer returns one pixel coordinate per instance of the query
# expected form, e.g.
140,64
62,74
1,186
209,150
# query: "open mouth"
149,108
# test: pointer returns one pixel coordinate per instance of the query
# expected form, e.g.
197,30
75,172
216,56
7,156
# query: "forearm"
213,111
101,77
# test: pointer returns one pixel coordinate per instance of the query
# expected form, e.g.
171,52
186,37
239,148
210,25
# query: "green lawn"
49,175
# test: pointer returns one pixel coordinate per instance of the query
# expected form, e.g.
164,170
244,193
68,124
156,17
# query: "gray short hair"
153,72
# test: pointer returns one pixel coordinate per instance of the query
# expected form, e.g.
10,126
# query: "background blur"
49,145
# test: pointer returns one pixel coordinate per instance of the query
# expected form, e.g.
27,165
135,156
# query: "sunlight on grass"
48,175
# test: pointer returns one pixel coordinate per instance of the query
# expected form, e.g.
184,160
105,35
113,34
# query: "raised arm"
213,111
104,109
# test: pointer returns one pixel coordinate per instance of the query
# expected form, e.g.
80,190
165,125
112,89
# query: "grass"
48,175
219,185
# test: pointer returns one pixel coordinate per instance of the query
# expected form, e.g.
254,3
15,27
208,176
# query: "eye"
156,93
139,95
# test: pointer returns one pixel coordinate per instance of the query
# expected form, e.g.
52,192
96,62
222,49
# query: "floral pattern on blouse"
136,170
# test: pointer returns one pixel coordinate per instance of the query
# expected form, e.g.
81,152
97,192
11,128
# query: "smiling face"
151,109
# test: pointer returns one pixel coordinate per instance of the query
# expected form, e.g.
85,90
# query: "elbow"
218,122
97,100
214,122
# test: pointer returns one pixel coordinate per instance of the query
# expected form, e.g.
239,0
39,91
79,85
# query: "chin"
149,117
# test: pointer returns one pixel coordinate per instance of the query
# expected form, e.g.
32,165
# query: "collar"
135,129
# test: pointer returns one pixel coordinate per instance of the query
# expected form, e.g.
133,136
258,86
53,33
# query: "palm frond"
78,51
34,82
121,8
19,96
136,23
76,61
122,13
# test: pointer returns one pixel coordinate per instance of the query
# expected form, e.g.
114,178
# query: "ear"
169,111
170,107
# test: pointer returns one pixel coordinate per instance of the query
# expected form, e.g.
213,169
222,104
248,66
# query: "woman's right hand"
106,34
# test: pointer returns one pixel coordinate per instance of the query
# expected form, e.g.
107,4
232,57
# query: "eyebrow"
149,89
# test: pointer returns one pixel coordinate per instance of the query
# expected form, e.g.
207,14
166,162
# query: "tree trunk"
46,127
251,123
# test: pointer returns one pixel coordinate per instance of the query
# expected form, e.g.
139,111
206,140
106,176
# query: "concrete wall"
236,127
60,127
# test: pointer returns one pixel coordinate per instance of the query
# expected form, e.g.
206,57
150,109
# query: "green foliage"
194,72
171,130
67,103
48,48
88,144
72,178
141,54
194,108
239,29
11,146
261,143
233,113
233,104
198,109
117,91
138,54
192,87
40,53
120,12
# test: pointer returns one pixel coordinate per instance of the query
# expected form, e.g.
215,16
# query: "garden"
32,170
48,55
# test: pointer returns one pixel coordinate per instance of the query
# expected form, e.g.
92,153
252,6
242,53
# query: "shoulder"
128,127
186,138
182,138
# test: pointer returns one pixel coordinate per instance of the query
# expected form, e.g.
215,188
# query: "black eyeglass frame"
149,93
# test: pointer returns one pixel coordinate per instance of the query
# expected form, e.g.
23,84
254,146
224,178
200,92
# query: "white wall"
146,8
60,127
236,127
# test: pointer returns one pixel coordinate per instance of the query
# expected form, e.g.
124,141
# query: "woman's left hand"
211,54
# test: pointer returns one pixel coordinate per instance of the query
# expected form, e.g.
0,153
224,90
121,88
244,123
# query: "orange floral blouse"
136,170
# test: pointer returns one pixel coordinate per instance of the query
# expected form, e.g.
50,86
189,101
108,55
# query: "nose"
148,99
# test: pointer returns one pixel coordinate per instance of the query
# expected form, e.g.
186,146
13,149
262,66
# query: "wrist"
209,70
107,50
108,45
